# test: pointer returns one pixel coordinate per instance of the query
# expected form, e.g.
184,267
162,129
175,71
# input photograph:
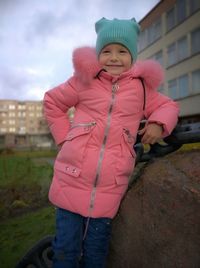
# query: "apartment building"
22,124
170,34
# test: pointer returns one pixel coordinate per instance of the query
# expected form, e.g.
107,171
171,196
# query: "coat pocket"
129,141
67,169
67,175
73,149
79,129
126,161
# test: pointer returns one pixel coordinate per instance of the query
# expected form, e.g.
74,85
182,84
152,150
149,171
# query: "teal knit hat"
124,32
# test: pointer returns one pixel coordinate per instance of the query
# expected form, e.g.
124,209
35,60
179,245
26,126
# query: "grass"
20,167
19,234
24,183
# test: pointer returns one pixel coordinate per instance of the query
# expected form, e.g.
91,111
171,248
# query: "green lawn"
24,167
19,234
25,213
24,181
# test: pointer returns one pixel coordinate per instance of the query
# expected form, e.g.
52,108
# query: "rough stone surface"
158,224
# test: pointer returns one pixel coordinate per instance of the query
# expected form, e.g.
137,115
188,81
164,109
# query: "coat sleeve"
56,103
161,109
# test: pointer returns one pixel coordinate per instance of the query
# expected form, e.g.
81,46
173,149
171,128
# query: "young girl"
96,158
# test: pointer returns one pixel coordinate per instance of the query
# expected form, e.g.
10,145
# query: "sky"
37,38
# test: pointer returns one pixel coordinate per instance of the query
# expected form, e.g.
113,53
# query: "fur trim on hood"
86,67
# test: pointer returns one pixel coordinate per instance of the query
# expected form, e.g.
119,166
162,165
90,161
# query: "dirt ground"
158,224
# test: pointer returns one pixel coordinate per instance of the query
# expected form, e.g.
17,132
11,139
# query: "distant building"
171,35
22,124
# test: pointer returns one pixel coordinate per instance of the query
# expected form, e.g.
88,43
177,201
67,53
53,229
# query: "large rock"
158,224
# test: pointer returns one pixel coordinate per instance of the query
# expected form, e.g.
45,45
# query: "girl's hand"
152,133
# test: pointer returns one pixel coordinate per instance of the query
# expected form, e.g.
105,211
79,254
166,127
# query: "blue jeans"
70,250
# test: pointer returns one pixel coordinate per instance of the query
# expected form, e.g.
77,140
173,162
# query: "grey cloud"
43,25
14,82
47,23
9,5
126,9
60,19
1,39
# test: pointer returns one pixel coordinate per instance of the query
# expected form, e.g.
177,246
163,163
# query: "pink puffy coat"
92,168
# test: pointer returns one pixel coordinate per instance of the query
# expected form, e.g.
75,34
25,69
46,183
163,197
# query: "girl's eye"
123,51
105,51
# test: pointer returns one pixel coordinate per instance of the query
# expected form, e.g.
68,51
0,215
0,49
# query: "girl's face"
115,59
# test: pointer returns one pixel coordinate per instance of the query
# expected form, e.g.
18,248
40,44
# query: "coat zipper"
115,87
86,125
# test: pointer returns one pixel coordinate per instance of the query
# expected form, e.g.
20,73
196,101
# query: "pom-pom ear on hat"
123,32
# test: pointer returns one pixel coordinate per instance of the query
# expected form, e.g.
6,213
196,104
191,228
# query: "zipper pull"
126,131
88,126
115,87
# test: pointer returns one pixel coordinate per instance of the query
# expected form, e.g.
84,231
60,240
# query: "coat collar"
86,68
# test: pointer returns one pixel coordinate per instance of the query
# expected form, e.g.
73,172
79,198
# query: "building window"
194,5
3,130
150,35
177,14
182,48
22,121
181,10
159,57
21,107
154,31
195,37
180,87
11,114
172,89
196,81
21,114
22,130
177,51
39,114
171,22
3,107
12,129
11,107
142,43
11,122
31,108
171,54
183,85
